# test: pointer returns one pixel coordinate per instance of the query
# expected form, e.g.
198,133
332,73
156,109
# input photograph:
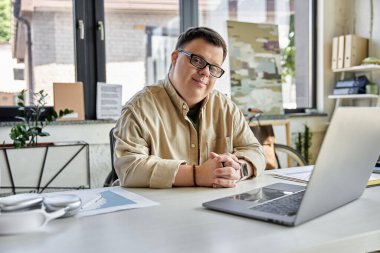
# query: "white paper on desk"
302,174
109,199
297,174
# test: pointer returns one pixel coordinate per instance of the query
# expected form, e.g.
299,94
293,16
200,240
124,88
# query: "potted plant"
31,127
30,165
303,143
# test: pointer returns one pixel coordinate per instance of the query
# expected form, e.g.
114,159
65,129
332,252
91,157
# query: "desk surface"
180,224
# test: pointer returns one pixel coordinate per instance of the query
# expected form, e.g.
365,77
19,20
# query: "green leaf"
32,125
65,112
19,134
19,144
44,134
52,116
20,118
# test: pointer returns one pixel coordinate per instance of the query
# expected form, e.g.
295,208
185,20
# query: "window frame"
89,55
311,89
90,60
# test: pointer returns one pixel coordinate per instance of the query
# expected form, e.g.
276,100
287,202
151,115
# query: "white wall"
362,24
340,17
331,22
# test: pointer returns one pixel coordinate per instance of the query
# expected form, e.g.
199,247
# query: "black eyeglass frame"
190,55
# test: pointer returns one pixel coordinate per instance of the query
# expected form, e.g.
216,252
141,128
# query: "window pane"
215,13
46,58
140,35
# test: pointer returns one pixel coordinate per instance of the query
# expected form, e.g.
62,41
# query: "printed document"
109,199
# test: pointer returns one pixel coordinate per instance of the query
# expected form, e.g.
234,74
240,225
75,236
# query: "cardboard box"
69,96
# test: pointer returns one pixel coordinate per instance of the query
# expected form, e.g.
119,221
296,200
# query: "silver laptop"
349,151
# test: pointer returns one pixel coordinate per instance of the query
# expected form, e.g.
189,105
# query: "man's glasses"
200,63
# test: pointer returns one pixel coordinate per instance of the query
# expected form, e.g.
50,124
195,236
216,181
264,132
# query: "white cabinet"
374,100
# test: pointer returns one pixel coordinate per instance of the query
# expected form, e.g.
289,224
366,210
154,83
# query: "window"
129,43
294,20
41,50
136,36
140,36
38,51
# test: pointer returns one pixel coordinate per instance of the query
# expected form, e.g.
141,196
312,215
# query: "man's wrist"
194,175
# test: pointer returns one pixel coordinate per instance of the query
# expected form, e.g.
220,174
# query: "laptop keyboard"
287,205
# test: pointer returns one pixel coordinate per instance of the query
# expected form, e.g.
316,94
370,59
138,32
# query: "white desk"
180,224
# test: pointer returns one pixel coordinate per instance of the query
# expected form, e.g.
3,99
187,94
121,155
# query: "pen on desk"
91,202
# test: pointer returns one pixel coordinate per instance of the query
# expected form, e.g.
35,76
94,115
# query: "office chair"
292,156
112,176
277,155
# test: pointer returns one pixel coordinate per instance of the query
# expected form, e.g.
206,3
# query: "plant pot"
44,167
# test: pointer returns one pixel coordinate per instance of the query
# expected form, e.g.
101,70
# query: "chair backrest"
112,176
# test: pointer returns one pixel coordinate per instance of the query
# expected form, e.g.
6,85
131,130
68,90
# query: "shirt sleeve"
245,144
134,165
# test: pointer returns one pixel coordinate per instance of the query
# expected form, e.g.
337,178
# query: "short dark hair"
204,33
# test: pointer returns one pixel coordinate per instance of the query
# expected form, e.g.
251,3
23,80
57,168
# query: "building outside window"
49,55
140,36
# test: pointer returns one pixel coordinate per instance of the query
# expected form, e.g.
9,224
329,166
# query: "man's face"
193,84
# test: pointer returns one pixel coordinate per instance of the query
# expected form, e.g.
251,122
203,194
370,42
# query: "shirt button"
184,107
193,145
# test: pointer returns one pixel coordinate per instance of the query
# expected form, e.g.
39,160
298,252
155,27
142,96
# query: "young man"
181,132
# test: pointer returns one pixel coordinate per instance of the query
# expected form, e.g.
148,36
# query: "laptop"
350,149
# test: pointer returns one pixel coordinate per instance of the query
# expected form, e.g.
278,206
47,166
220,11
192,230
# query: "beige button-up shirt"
154,136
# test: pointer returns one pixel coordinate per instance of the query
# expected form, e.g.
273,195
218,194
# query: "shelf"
374,99
361,68
353,96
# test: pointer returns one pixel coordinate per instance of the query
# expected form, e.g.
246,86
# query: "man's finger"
228,183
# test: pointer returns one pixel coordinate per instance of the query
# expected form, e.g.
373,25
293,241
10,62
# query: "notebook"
350,149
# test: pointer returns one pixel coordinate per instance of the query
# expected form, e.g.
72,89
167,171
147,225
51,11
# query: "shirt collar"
176,98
